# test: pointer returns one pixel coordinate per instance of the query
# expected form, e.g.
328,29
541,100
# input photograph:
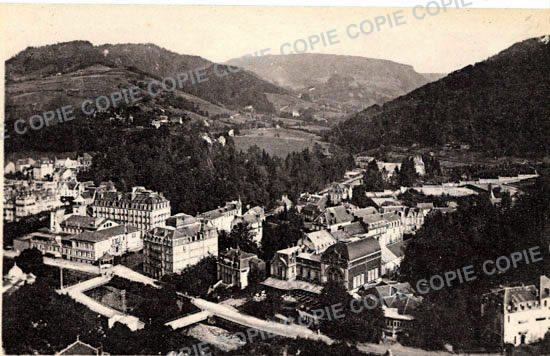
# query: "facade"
222,218
284,263
184,241
234,266
518,315
24,164
355,263
18,205
43,168
86,247
398,303
140,208
412,219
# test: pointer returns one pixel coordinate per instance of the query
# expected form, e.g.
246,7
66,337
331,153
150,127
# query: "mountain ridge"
355,82
498,105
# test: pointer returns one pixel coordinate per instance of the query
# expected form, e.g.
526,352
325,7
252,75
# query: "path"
125,272
229,313
77,266
76,292
188,320
400,350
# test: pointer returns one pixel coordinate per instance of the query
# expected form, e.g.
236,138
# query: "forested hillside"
500,106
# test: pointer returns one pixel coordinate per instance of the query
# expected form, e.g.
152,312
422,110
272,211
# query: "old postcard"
254,180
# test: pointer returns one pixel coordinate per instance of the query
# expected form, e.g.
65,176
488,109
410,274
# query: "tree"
30,261
407,176
196,279
355,326
241,237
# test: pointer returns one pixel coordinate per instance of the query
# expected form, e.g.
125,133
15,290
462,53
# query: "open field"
277,142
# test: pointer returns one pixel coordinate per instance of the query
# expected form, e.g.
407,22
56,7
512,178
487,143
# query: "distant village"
361,247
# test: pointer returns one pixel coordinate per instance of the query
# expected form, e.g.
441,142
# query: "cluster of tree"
412,197
477,232
196,279
179,102
239,237
192,174
143,301
281,231
363,326
477,171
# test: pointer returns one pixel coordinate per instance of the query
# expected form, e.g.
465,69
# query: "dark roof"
398,248
80,221
104,234
337,215
352,250
355,228
397,295
79,348
234,253
138,197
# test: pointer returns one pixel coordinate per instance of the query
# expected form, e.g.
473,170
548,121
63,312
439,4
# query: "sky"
438,43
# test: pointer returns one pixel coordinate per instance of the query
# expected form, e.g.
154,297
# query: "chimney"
123,300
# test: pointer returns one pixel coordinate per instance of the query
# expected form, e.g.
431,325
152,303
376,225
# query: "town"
368,181
348,237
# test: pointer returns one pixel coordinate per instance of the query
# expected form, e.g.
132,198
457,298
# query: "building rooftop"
321,239
104,234
79,348
81,221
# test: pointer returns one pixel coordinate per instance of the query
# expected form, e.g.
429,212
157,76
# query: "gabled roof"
360,213
398,295
398,248
337,215
80,221
105,234
321,239
355,249
79,348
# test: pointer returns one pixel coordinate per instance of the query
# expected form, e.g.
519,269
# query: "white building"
518,315
222,217
183,242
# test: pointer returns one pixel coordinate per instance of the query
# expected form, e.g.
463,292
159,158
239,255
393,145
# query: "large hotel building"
141,208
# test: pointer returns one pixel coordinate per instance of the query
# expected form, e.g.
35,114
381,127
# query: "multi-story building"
398,303
222,217
184,241
284,263
518,315
42,168
355,262
140,208
234,266
24,164
88,246
18,205
333,218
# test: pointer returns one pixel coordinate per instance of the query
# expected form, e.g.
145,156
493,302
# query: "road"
231,314
77,266
400,350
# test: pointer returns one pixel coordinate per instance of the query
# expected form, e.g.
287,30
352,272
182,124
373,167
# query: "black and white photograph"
278,180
